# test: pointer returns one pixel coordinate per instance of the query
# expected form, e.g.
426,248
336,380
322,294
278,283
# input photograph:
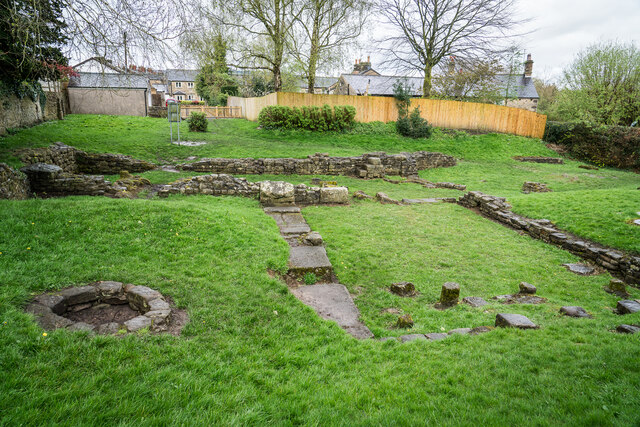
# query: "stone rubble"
535,187
13,184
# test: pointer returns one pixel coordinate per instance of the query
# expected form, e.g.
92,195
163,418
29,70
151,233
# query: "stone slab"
510,320
412,337
460,331
474,301
436,336
308,257
628,306
137,323
527,288
79,295
81,326
54,302
332,302
581,269
282,209
420,201
574,311
140,297
628,329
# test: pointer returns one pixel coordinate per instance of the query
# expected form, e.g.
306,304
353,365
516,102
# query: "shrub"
413,126
616,146
320,119
197,122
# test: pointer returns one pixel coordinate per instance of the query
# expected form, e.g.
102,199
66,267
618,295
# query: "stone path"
329,299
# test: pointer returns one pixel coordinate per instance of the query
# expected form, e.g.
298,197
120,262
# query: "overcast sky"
561,28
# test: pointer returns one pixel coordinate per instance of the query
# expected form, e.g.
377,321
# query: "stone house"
180,84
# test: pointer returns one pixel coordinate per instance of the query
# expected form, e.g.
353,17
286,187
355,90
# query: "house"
365,81
180,84
109,93
321,84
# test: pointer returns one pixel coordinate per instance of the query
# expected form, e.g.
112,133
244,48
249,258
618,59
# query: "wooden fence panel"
441,113
212,112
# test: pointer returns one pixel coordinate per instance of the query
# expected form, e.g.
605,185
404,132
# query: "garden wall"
16,113
441,113
371,165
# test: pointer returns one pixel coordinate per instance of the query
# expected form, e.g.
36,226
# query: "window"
178,84
180,97
190,84
190,97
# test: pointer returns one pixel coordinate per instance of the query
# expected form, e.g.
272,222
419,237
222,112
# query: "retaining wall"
13,184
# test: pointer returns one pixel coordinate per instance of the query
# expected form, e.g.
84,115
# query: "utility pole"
126,65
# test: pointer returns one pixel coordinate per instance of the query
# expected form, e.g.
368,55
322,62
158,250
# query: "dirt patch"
103,313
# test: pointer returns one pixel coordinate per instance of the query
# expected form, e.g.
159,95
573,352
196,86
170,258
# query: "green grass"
253,354
238,362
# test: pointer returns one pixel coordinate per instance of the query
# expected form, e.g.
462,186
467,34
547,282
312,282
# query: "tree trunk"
311,70
427,84
277,79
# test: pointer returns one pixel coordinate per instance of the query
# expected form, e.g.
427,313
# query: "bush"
413,126
616,146
198,122
320,119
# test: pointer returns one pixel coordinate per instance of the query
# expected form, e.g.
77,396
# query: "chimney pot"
528,66
369,58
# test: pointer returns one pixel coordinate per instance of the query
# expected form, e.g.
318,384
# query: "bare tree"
258,30
424,32
323,29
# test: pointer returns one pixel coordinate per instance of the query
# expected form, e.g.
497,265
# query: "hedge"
616,146
311,118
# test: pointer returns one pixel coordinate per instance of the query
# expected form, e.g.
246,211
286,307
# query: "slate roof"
319,82
109,81
179,75
381,85
519,85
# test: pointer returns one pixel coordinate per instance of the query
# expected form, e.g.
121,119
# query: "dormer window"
190,84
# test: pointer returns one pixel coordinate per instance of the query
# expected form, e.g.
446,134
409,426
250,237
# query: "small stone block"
159,319
436,336
109,289
628,329
108,328
404,322
334,195
158,304
140,297
628,306
81,326
137,323
474,301
412,337
617,287
574,311
314,238
581,269
282,209
449,294
404,289
527,288
509,320
460,331
79,295
481,330
53,302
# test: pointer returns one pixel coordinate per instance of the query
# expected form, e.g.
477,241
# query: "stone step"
290,222
282,209
310,259
332,302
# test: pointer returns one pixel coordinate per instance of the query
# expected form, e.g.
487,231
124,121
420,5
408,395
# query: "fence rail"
212,112
441,113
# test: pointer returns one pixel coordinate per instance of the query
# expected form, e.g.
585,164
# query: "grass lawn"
253,354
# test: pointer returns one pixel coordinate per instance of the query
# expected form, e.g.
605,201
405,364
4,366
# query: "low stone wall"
51,180
72,160
155,111
270,193
13,185
618,263
371,165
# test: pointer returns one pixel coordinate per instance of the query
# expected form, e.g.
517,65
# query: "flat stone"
291,223
412,337
139,297
460,331
520,299
617,287
474,301
334,195
628,329
79,295
332,302
53,302
159,319
385,199
404,289
41,168
137,323
81,326
436,336
109,289
282,209
509,320
158,304
581,269
420,201
308,257
574,311
527,288
636,221
628,306
361,195
108,328
314,238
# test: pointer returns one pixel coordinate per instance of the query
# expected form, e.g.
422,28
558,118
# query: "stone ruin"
107,308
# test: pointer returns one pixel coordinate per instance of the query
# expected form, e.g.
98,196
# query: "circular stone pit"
107,308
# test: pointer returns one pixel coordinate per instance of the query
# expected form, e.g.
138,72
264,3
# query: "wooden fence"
211,112
440,113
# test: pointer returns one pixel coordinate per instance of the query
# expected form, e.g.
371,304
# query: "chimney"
452,65
369,59
528,66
